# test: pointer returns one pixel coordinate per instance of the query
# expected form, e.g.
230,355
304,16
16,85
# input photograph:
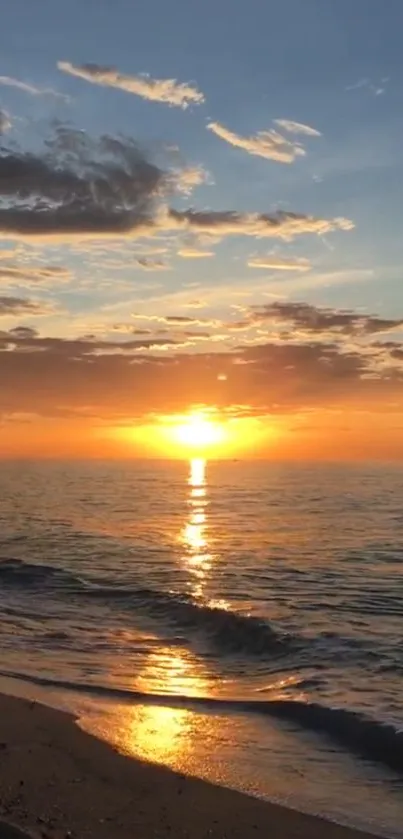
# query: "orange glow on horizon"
202,433
320,435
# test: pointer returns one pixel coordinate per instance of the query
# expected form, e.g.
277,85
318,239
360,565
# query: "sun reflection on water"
165,733
154,732
197,557
197,477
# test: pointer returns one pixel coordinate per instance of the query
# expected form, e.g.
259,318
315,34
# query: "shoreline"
60,782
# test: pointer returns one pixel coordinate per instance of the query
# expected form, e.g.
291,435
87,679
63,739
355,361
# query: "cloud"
177,319
299,283
150,250
197,336
152,264
126,329
320,321
140,375
280,225
268,144
75,171
5,122
168,91
194,253
33,276
19,306
81,189
26,87
377,88
85,349
358,85
77,186
24,332
279,263
179,334
188,178
297,128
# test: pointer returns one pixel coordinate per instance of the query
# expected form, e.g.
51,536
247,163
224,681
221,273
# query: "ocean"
239,621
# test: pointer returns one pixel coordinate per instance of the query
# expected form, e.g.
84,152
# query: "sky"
200,213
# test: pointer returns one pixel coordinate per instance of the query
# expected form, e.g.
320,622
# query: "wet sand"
57,781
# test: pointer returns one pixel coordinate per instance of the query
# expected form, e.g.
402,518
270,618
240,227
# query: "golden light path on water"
197,557
165,734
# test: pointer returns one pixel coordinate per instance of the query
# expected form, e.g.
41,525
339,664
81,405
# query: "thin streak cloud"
281,225
168,91
268,144
297,127
279,263
194,253
33,90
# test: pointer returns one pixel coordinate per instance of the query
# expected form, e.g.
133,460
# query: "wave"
367,737
229,632
17,572
232,632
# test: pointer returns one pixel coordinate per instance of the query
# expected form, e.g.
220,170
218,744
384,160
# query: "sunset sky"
201,215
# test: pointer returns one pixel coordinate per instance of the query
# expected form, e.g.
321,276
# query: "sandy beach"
57,781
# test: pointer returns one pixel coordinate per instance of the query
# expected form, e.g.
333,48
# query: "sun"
198,433
201,433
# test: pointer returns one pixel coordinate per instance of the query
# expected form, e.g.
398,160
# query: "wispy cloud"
280,225
168,91
152,264
177,320
278,263
206,297
194,253
320,320
47,275
269,144
32,89
58,225
297,127
188,178
376,88
20,306
358,85
5,122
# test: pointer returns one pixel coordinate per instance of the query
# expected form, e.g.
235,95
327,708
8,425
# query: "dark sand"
57,781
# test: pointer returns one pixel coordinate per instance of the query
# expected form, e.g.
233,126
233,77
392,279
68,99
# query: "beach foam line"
359,734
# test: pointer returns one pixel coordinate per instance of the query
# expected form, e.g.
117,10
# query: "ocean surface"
234,620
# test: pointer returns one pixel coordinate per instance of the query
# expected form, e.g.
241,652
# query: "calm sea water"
238,621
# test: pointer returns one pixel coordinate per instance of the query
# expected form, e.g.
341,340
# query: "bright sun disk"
198,432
